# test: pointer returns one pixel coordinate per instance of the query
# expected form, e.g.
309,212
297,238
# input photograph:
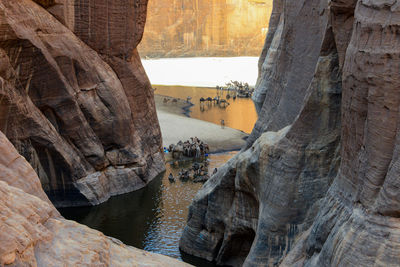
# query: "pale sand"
201,71
175,126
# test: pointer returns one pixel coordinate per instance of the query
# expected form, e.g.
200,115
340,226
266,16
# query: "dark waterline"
152,218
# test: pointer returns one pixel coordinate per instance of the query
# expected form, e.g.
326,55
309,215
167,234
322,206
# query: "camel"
171,178
178,149
215,171
216,100
223,103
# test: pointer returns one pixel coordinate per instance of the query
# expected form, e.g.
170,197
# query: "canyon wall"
318,182
75,100
34,234
205,28
359,220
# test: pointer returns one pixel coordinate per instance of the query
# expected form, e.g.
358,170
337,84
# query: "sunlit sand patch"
204,72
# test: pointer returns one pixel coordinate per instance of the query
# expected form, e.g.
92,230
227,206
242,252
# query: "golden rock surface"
205,28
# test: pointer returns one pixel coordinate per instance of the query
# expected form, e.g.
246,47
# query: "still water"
152,218
240,114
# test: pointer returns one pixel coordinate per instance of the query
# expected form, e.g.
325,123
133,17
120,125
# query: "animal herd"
193,148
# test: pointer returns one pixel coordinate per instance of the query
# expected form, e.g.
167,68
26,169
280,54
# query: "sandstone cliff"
205,28
285,191
34,234
75,100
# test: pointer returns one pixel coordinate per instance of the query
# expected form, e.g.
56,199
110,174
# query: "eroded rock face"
34,234
81,113
359,223
251,212
205,28
285,191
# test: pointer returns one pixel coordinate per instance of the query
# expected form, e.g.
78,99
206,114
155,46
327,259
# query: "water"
152,218
240,114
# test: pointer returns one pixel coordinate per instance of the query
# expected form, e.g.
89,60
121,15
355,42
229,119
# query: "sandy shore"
176,126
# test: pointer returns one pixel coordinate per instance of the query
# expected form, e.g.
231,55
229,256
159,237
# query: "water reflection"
240,114
152,218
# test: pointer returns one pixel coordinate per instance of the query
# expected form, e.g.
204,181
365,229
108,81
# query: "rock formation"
205,28
75,100
359,221
319,175
34,234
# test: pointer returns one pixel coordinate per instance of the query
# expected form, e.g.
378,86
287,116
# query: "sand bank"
176,126
202,71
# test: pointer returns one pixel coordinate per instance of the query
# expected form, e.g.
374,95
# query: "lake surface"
152,218
240,114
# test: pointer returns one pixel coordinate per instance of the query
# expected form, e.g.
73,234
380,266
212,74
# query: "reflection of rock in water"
136,209
152,218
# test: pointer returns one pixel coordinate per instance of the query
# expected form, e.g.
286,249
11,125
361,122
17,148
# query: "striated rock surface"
252,210
205,28
80,110
318,182
34,234
359,222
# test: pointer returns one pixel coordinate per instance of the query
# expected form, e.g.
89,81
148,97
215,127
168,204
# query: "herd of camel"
242,90
196,149
198,173
235,89
193,148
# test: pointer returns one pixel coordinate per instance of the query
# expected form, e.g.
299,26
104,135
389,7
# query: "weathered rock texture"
80,110
285,191
359,222
32,233
205,28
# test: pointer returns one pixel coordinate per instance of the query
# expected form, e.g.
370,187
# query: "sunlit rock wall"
205,28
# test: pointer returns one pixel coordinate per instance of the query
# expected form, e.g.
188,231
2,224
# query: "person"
171,178
215,171
222,124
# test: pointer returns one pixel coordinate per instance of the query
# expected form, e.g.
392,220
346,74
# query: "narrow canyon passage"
199,133
154,217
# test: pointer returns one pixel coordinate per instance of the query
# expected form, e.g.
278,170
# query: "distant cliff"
75,99
318,182
205,28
